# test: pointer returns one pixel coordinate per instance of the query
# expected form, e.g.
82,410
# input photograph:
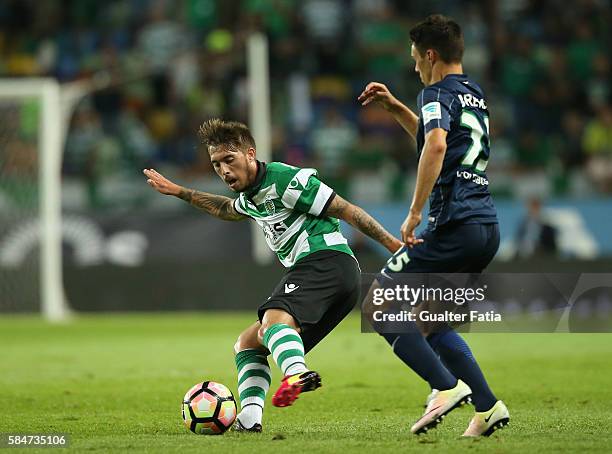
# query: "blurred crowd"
544,64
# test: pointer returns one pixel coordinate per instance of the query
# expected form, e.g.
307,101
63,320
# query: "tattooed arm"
358,218
215,205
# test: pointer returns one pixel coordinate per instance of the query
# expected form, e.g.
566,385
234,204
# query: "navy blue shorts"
463,248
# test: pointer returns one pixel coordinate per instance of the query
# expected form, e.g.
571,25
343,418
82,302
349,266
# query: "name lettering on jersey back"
468,100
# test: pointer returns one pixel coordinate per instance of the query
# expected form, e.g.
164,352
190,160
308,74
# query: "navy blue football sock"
413,350
458,358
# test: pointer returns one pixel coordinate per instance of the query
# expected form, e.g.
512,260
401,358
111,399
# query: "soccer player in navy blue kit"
462,236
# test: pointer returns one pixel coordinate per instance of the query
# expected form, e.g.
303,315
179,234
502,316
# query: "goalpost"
259,119
51,129
56,103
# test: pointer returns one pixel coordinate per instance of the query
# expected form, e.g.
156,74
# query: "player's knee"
275,316
268,323
264,327
237,345
246,341
260,334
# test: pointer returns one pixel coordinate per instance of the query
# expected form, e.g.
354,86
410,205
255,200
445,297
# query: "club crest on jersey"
269,206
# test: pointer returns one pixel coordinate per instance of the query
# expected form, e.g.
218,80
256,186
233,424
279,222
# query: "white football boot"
442,403
486,422
430,396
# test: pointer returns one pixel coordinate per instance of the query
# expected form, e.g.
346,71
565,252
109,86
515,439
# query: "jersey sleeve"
306,193
435,109
239,205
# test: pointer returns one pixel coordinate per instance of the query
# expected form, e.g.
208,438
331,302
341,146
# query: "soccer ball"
209,408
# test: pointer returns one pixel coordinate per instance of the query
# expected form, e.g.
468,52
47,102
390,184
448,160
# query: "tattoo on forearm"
215,205
368,225
358,218
185,194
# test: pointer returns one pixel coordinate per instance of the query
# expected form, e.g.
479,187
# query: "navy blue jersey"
461,193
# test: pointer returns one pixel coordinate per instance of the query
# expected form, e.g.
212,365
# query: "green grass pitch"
115,383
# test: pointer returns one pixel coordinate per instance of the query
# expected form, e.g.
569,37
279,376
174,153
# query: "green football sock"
253,383
286,347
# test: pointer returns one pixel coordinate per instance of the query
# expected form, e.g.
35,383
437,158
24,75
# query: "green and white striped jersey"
287,203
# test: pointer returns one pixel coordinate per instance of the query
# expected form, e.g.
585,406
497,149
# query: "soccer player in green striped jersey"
298,214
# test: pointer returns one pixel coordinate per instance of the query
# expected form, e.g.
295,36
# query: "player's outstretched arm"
358,218
380,94
215,205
